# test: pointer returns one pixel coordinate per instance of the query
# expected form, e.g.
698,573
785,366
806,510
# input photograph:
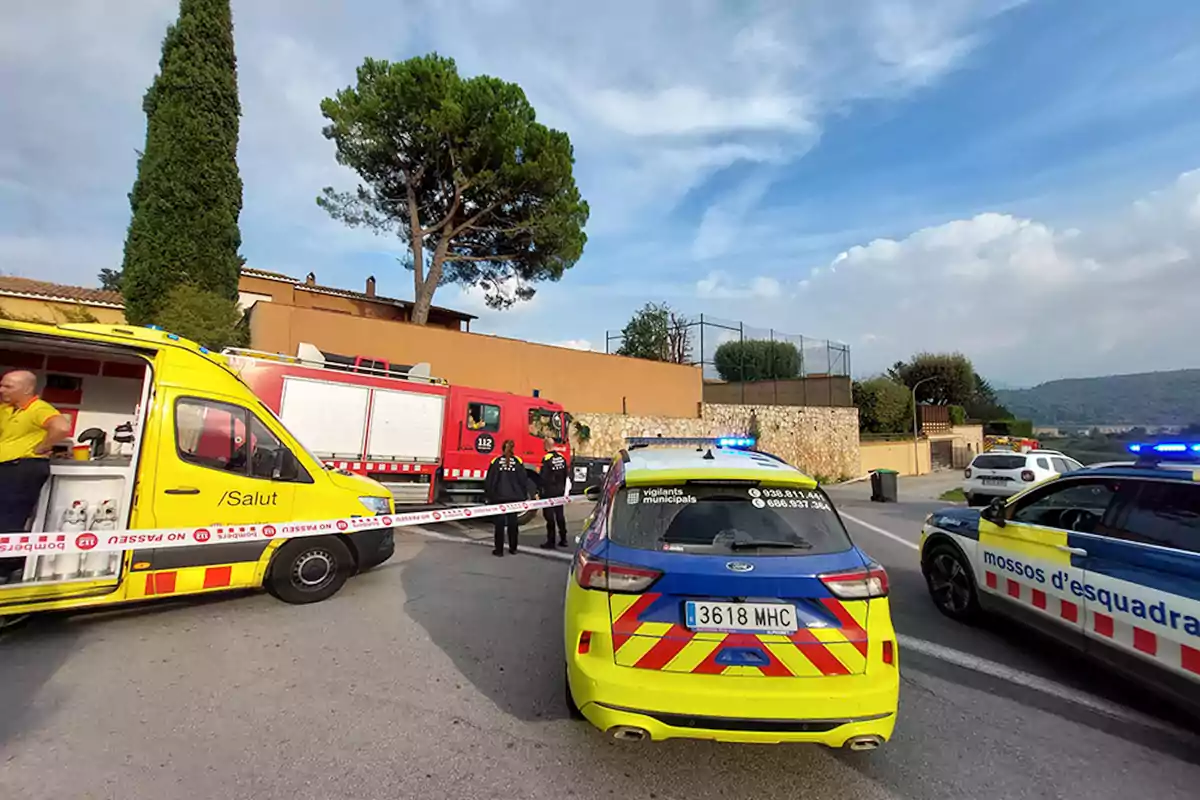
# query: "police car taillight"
595,573
858,584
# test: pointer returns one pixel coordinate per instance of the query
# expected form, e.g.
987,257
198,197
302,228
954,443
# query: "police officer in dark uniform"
554,484
506,482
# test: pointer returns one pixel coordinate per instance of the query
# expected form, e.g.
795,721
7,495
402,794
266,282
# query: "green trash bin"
883,486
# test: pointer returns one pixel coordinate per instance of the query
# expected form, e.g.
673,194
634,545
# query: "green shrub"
757,360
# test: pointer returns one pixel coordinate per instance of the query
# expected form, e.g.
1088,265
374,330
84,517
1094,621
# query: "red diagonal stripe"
709,665
626,625
1070,611
1014,588
850,627
1104,625
991,580
1145,641
666,648
1039,599
816,652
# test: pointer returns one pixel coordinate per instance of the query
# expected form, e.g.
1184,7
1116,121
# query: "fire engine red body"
426,440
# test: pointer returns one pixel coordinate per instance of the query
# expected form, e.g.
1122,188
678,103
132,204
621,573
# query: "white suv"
1003,473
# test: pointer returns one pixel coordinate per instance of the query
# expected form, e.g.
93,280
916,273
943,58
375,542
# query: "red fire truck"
426,440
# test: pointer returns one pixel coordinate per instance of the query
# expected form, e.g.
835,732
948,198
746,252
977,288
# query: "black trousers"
21,484
506,523
555,518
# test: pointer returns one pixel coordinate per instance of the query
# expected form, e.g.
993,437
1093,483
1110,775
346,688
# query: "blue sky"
1010,179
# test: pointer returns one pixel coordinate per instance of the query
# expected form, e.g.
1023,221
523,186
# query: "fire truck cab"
426,440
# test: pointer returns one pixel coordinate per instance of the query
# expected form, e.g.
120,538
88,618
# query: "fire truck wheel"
309,570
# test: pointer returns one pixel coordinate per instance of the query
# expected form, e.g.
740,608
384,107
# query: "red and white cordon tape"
114,540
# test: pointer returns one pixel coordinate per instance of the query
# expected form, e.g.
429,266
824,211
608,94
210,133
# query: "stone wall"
821,441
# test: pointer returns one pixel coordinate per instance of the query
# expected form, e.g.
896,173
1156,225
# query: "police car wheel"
309,570
950,583
572,707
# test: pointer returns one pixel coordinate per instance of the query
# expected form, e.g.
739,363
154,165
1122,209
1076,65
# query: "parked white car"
1003,473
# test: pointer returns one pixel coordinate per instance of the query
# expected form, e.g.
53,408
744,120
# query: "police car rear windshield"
746,519
999,462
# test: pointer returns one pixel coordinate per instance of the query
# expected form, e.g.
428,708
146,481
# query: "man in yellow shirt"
29,429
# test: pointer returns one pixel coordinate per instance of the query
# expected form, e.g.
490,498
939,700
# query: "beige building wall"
822,442
902,457
583,382
54,312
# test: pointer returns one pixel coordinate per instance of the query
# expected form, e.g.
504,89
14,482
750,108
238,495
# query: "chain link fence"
747,365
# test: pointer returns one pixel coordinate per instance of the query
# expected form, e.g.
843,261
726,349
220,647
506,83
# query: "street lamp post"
916,447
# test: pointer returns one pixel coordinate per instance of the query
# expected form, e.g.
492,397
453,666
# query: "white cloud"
719,286
1024,298
575,344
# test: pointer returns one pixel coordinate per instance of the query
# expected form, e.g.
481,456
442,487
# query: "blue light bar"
1165,447
729,442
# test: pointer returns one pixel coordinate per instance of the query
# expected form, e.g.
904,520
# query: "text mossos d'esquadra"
1112,600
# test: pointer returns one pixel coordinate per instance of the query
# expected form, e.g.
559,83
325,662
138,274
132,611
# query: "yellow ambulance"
165,435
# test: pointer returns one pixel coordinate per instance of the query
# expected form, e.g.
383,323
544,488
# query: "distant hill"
1150,398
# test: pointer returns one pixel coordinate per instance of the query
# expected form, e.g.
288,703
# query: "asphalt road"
440,675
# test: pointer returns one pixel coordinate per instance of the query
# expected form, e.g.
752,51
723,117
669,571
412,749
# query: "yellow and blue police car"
716,594
1106,559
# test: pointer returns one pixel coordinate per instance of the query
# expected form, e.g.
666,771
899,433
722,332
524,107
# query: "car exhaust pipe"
860,743
627,733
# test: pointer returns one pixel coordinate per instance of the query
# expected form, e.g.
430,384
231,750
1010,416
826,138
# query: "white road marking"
880,531
533,551
1035,682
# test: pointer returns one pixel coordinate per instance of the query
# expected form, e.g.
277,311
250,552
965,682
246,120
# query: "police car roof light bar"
729,442
1150,453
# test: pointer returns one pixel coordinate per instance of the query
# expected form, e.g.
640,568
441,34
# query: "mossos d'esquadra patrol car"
716,594
1106,559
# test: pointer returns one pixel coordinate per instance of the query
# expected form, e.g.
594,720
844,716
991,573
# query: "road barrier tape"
102,541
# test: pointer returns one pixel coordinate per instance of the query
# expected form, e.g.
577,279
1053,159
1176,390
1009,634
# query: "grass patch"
954,495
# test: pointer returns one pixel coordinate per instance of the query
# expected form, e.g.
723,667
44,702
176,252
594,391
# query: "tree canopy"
884,406
110,279
757,360
187,197
658,333
461,170
949,378
203,317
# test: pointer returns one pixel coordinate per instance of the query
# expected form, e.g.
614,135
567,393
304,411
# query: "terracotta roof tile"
250,272
11,285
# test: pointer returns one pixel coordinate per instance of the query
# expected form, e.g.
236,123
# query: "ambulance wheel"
951,585
309,570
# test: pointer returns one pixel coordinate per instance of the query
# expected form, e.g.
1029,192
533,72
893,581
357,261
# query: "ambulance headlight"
376,505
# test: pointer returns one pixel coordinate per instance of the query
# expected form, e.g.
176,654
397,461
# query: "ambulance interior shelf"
98,391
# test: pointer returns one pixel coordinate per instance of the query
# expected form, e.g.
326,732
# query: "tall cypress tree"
188,194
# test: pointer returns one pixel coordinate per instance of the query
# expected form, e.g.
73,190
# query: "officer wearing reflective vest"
554,484
506,482
29,429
